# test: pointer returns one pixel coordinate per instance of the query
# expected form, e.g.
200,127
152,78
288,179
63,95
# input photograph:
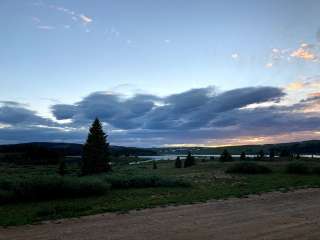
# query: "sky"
160,73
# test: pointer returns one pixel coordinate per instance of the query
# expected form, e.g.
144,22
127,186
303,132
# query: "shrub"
189,161
62,168
178,163
48,188
243,156
297,168
142,181
225,156
260,154
154,165
316,170
248,168
271,154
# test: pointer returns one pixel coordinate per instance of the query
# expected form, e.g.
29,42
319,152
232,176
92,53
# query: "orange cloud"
303,54
316,94
296,86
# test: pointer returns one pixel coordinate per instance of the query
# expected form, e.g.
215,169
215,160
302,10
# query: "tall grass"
36,188
298,168
141,181
248,168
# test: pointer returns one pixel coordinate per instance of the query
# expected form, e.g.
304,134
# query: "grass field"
168,186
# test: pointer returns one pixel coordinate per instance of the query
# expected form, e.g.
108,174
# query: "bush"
178,163
189,161
297,168
248,168
48,188
225,156
316,170
141,181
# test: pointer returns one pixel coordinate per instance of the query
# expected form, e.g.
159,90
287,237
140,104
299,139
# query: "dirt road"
294,215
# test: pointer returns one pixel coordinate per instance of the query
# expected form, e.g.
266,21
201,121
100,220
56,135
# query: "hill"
304,147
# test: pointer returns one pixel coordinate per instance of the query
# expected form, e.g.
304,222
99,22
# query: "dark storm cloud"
63,111
15,114
187,110
39,134
194,116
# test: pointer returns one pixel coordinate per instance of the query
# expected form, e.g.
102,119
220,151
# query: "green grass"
208,181
248,168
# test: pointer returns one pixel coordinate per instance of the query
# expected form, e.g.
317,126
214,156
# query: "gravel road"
293,215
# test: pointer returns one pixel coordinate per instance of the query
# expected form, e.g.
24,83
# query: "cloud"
303,54
73,16
153,112
306,52
235,56
296,86
306,83
14,114
85,19
45,27
197,116
269,65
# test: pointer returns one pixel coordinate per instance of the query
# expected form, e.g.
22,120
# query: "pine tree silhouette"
178,163
95,158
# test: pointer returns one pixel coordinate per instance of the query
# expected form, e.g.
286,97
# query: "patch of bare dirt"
293,215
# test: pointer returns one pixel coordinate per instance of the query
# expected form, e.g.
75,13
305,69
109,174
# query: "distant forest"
51,153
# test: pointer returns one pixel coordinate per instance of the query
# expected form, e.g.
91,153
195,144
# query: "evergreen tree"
178,163
62,168
271,154
243,156
225,156
261,154
189,161
154,165
95,158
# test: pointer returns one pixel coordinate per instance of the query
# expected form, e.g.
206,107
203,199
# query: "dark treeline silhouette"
32,154
51,153
304,147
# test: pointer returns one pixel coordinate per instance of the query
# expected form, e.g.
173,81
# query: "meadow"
30,194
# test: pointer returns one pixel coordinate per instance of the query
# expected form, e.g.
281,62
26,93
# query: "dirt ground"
293,215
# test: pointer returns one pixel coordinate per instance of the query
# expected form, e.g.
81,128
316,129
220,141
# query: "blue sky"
57,53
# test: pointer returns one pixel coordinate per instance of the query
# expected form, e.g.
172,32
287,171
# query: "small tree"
190,161
285,153
243,156
178,163
62,168
298,156
154,165
261,154
95,158
271,154
225,156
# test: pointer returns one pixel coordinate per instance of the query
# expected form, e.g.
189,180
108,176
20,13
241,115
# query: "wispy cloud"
294,86
235,56
75,17
304,53
269,65
85,19
46,27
